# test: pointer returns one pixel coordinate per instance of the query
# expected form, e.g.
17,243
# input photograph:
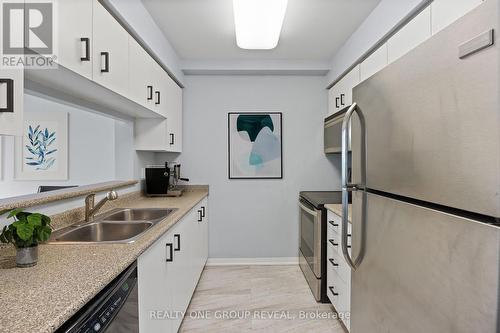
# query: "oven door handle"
308,210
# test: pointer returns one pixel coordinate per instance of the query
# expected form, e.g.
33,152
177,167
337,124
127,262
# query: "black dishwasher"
114,310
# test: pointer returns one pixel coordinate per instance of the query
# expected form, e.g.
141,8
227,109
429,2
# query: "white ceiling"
203,30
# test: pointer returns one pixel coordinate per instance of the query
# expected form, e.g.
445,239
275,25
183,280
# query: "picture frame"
255,145
42,151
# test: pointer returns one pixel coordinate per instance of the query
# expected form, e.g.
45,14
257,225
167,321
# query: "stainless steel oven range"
312,247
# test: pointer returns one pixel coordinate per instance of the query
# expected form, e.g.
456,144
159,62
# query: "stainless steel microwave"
333,132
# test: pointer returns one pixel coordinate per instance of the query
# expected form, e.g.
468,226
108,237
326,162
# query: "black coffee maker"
162,180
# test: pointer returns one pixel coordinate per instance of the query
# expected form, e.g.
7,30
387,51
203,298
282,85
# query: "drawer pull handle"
333,262
177,238
9,107
158,98
333,292
203,211
170,253
86,47
333,223
106,62
150,93
200,215
333,242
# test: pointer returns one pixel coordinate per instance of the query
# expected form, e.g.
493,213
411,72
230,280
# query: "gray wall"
256,218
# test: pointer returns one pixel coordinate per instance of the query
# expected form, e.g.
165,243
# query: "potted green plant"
25,233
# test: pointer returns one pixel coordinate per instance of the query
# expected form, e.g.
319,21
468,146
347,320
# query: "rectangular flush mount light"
258,23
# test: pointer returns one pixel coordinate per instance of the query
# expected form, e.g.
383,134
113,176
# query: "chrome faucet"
91,209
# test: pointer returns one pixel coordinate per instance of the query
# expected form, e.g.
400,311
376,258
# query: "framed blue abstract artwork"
255,145
42,151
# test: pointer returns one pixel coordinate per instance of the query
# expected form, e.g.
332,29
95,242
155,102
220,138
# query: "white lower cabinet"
169,270
338,273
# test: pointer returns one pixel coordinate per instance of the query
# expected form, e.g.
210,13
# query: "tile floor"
261,298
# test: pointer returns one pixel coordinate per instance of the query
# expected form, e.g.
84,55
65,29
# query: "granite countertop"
41,298
337,209
37,199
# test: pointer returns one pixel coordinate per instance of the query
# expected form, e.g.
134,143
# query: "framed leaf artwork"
42,151
255,145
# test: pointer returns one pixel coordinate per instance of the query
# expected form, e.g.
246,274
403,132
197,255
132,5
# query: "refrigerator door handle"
346,186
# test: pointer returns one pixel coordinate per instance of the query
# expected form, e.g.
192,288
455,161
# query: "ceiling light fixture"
258,23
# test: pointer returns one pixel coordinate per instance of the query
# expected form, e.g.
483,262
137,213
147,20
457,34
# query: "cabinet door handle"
172,138
157,102
333,292
333,262
150,93
170,252
200,216
202,211
177,238
342,99
106,62
337,102
9,106
333,242
333,223
85,48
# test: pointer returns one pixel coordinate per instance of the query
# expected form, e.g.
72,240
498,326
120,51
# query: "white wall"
385,17
100,149
256,218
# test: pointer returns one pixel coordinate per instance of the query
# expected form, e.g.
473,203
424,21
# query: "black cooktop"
320,198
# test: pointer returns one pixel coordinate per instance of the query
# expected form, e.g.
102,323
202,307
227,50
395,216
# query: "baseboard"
252,261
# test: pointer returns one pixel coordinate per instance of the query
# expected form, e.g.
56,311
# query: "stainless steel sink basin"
104,232
121,225
137,214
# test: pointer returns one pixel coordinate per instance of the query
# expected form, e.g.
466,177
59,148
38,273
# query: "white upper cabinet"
141,83
11,101
349,81
410,36
331,100
374,63
340,95
75,35
173,101
159,77
445,12
165,135
151,135
110,51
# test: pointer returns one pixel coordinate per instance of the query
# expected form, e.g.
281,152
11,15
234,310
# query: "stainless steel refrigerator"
426,186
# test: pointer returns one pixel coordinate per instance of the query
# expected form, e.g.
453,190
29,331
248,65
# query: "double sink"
121,225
